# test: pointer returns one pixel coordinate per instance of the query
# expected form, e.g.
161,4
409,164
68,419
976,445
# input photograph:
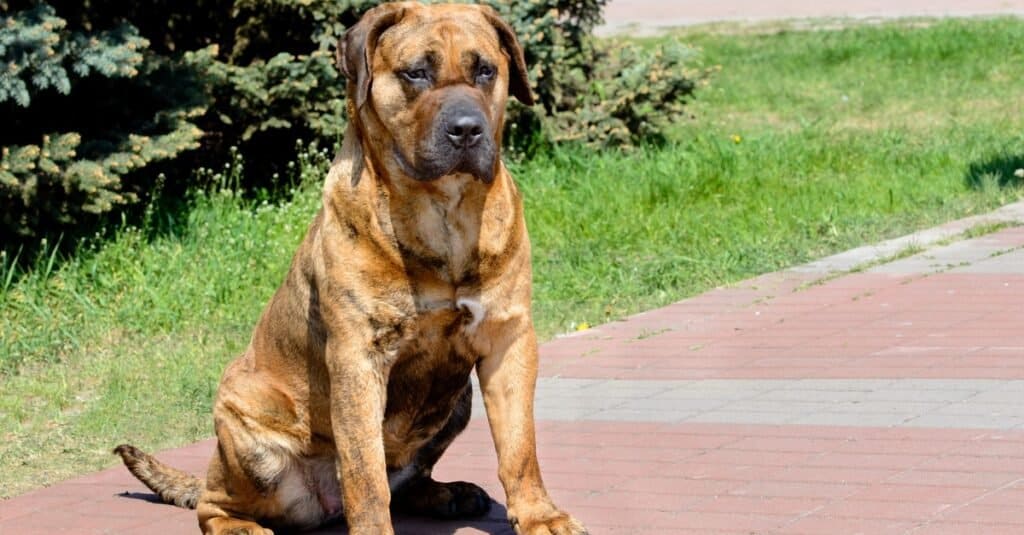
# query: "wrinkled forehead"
456,33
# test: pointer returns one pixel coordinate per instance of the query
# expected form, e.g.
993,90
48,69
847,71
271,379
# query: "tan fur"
170,484
358,368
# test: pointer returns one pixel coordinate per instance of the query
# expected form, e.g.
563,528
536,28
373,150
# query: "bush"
105,95
631,97
63,157
600,93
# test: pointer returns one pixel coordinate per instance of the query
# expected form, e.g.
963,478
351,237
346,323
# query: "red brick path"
642,478
912,371
864,325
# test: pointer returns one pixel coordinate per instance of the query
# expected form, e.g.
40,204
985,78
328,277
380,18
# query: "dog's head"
428,85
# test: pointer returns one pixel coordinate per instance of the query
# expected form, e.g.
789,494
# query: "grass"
806,143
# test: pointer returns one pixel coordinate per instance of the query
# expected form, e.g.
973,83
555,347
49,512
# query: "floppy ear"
355,49
518,83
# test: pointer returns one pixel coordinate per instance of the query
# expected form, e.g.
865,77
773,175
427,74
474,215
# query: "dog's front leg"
508,378
358,391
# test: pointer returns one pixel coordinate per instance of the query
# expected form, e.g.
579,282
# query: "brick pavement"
848,395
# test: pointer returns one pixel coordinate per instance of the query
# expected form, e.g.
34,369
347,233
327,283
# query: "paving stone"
944,258
744,417
730,388
564,383
563,414
691,390
854,419
853,385
887,407
949,395
982,409
980,385
788,406
645,415
831,396
581,402
902,400
965,422
636,389
1008,262
673,404
1013,386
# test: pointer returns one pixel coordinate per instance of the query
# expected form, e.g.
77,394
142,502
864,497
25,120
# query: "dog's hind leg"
220,510
415,491
253,483
232,500
255,479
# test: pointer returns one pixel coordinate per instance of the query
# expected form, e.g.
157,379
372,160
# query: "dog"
415,271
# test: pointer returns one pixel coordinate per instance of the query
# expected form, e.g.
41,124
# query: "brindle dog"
415,271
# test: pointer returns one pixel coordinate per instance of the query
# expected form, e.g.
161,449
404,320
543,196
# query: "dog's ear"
355,49
518,82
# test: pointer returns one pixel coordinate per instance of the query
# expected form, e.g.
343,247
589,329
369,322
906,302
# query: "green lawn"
804,144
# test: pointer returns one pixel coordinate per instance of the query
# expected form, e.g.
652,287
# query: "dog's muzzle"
460,141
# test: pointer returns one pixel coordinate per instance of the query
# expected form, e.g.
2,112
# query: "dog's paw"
466,500
457,499
249,531
237,527
552,522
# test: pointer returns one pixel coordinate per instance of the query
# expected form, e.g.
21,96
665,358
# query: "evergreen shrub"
99,98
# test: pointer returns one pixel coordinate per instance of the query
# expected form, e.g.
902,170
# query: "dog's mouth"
423,175
431,165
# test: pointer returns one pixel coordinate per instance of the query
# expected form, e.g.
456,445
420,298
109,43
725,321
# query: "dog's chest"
437,236
424,385
438,233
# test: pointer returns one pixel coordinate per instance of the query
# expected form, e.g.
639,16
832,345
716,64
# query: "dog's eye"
485,72
415,75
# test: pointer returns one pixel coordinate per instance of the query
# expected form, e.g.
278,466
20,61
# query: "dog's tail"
172,485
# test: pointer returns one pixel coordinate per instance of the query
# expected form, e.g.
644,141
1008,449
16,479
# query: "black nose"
465,130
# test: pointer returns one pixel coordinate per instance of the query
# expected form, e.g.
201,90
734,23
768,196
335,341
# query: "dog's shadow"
495,522
998,171
142,496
